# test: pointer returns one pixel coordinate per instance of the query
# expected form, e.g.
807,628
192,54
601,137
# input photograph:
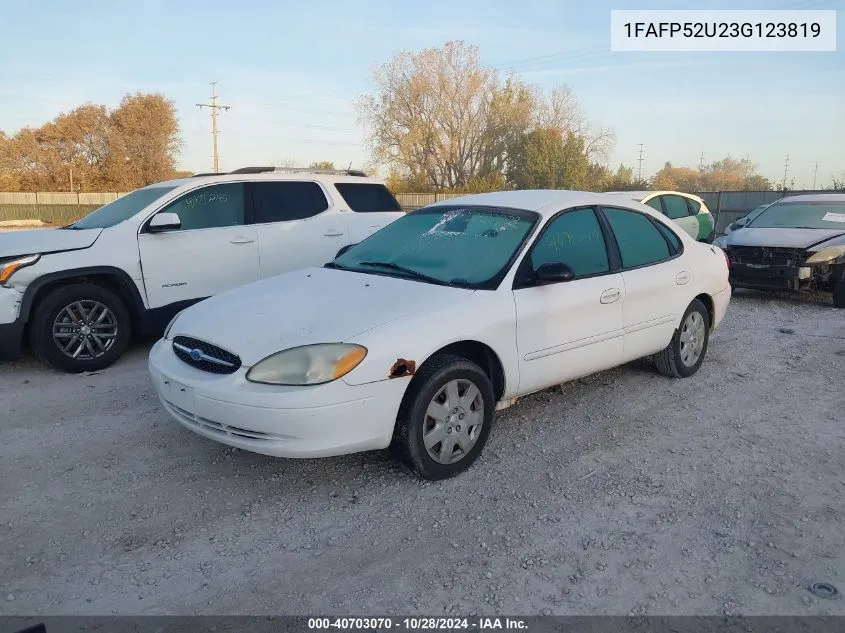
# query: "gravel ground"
623,493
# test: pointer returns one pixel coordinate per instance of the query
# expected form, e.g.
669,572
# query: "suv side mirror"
740,223
164,222
552,272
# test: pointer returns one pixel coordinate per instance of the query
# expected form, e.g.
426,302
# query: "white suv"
80,292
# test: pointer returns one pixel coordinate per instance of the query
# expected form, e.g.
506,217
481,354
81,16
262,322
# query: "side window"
210,207
676,207
671,237
367,197
282,201
694,206
574,238
640,242
655,204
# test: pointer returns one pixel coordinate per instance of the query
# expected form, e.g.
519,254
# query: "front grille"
205,356
770,255
218,428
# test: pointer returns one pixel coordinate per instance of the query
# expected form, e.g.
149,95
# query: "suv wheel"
445,417
80,327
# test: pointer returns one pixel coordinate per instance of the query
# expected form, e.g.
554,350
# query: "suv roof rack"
304,170
208,173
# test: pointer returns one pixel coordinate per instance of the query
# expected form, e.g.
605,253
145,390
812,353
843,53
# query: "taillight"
727,259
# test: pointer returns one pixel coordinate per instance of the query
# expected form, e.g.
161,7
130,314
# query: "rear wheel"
685,352
445,418
839,294
81,327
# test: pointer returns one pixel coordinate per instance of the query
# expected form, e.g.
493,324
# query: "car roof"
546,202
268,176
815,197
640,195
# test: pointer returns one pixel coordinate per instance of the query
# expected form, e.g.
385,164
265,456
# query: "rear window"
367,197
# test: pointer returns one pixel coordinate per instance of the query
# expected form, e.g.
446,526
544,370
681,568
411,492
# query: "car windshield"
801,215
470,247
121,209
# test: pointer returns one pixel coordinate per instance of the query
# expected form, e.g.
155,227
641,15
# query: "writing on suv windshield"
459,246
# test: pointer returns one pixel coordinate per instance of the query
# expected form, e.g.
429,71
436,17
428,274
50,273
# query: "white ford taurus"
416,336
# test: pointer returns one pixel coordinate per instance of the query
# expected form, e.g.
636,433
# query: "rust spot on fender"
402,367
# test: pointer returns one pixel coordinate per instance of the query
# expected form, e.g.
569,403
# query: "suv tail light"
727,259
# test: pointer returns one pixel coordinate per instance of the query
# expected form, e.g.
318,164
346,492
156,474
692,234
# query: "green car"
686,210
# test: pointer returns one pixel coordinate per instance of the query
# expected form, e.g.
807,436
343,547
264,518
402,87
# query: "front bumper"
768,277
11,326
319,421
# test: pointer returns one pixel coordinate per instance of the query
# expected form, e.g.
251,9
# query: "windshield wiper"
408,271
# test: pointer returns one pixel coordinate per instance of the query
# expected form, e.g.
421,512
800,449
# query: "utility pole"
640,171
214,107
701,162
815,173
785,171
71,178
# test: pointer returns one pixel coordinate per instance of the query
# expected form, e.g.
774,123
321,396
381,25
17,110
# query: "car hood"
787,238
313,305
45,241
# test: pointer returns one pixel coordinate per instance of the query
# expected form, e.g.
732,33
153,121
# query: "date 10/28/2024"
419,624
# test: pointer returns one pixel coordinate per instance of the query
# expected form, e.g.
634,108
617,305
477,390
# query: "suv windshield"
470,247
121,209
801,215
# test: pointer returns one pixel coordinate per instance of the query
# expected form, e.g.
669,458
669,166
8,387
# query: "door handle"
682,278
610,295
241,240
333,233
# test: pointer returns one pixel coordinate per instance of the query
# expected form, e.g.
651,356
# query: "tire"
431,384
104,319
839,294
679,359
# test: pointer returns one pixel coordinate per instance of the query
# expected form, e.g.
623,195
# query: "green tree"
546,159
442,118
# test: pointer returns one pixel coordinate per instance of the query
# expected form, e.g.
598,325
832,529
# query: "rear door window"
283,201
367,197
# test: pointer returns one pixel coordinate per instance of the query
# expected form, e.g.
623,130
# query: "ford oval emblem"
196,354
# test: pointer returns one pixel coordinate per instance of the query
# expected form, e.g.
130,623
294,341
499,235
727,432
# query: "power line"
214,107
640,171
785,171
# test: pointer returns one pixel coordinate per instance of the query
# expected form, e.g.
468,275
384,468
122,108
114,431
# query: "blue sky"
291,69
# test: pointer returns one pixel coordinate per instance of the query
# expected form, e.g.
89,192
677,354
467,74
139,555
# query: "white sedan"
416,336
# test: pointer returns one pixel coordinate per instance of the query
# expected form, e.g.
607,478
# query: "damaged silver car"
795,244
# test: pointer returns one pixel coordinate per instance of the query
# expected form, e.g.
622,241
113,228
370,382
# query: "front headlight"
826,254
308,365
9,268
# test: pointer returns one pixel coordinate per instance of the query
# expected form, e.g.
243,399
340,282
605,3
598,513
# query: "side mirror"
740,223
164,222
552,272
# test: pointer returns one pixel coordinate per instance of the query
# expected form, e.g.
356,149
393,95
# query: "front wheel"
81,327
685,352
445,418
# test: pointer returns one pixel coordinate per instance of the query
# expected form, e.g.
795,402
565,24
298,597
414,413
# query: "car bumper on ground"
11,327
320,421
